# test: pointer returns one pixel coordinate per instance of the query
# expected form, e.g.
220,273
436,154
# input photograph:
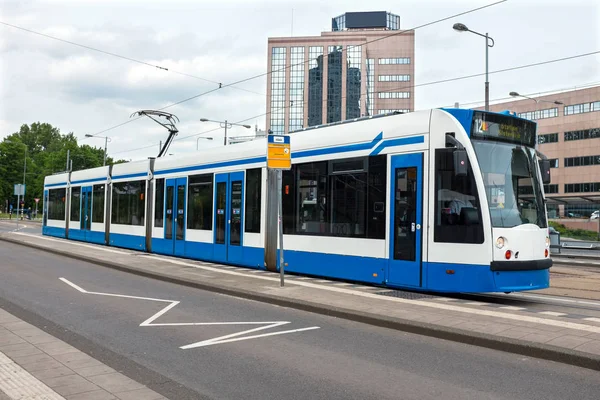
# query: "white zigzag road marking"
234,337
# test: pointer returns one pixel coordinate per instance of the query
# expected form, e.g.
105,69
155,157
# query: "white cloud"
83,91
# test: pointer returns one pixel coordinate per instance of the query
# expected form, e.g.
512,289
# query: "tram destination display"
502,128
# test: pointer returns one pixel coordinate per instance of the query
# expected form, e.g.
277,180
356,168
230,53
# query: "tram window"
56,204
159,203
336,198
457,207
75,203
200,201
98,194
288,199
376,197
128,203
311,199
253,192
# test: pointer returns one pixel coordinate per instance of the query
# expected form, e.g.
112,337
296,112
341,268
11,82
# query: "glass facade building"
278,72
356,70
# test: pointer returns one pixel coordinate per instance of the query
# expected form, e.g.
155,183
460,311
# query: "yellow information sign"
279,153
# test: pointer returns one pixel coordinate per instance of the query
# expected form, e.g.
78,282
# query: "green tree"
44,149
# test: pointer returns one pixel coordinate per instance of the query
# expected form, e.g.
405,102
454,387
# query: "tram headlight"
500,242
547,241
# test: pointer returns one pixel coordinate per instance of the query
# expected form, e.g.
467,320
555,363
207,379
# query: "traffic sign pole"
279,157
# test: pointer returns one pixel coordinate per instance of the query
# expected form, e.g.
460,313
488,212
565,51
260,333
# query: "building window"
457,220
296,120
582,108
394,95
56,204
393,78
553,162
582,187
334,84
582,134
370,106
353,81
315,86
159,202
128,203
404,111
548,138
253,200
393,61
200,202
344,198
75,203
550,189
540,114
278,60
98,193
582,161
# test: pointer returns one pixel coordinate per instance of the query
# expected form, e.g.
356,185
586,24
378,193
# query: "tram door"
229,213
175,213
406,220
85,217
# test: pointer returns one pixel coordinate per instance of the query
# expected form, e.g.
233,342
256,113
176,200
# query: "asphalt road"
340,360
24,226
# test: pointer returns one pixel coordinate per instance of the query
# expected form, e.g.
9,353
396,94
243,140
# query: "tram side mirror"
461,162
545,170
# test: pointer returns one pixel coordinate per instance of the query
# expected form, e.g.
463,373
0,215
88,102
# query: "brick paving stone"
590,347
542,337
56,348
97,370
52,372
65,380
115,382
75,389
569,341
93,395
136,394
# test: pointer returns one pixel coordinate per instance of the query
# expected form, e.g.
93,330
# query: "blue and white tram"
445,200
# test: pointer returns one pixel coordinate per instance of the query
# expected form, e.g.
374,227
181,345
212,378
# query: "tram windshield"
505,152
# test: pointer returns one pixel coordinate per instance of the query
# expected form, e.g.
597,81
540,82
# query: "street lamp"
463,28
106,140
537,101
515,94
201,137
225,124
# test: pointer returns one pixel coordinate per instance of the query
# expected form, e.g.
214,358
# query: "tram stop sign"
279,153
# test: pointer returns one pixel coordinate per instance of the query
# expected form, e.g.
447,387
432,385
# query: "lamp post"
225,124
537,101
106,140
200,137
463,28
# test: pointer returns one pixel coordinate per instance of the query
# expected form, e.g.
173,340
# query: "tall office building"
364,66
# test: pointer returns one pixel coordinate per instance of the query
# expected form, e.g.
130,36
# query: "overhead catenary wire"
393,89
308,61
122,57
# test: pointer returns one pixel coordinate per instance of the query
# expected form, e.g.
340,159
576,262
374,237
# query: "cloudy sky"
83,91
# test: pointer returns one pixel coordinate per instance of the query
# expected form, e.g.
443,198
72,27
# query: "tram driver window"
457,207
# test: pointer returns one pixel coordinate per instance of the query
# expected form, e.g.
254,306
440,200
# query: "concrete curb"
529,349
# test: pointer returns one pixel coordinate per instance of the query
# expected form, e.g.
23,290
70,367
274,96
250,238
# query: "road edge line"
509,345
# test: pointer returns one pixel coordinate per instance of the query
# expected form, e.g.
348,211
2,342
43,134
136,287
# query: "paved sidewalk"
36,365
573,339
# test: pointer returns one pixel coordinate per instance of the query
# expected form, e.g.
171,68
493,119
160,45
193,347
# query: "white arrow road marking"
234,337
